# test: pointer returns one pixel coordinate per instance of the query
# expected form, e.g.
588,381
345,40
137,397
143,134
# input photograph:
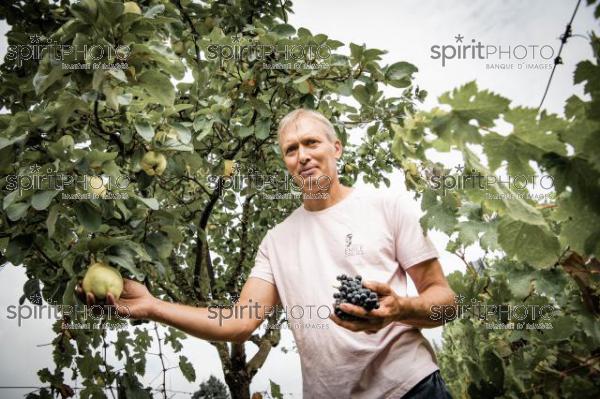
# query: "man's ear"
339,149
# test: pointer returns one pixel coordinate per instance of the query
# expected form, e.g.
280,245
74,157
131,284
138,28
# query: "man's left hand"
392,307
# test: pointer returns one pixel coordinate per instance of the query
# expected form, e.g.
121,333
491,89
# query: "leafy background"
459,215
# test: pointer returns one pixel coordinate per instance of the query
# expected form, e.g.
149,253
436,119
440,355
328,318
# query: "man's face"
308,152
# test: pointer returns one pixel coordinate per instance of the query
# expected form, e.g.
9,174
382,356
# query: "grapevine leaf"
530,243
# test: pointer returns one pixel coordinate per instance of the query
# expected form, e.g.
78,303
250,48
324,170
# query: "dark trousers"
430,387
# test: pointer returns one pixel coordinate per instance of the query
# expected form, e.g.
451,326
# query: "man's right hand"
136,302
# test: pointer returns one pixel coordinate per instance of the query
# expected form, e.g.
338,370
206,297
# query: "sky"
407,30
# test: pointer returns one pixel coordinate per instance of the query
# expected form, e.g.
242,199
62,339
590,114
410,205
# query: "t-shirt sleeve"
412,246
262,265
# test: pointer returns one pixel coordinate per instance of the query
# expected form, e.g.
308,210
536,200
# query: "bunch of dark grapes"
352,291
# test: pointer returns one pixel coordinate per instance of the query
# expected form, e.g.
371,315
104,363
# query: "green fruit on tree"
131,7
411,168
100,279
178,48
209,22
228,167
154,163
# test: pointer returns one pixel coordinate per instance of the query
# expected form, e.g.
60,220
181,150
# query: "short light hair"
297,114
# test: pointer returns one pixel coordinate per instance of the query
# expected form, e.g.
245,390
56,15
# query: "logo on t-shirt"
352,249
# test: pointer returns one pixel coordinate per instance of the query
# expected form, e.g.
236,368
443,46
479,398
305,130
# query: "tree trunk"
236,376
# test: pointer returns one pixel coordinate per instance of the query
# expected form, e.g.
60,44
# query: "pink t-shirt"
368,233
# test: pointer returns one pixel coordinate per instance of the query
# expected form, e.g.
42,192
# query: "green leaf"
138,249
88,364
17,210
41,81
476,231
303,87
520,283
303,78
356,52
145,130
97,158
275,390
85,10
563,327
400,74
156,52
118,74
110,10
62,147
510,204
131,388
19,248
360,94
143,340
88,216
372,54
262,128
182,107
51,219
468,103
158,85
154,11
493,369
69,294
122,256
42,199
244,131
284,30
206,128
586,71
530,139
100,243
5,142
579,225
530,243
173,338
187,369
159,244
184,134
441,212
151,203
10,198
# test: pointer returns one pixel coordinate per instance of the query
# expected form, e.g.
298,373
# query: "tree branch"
232,282
111,137
202,252
269,340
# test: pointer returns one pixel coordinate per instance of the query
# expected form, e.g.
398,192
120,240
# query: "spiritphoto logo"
95,186
276,56
79,316
513,56
471,179
84,56
497,316
280,185
295,316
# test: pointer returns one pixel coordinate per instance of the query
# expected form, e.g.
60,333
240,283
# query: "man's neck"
336,193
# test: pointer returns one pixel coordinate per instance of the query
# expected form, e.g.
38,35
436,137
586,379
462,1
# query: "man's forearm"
419,309
204,323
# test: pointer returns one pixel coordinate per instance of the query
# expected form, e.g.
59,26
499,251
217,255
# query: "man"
338,230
